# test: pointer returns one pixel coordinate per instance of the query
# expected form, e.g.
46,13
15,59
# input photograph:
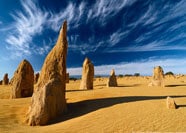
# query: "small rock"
171,103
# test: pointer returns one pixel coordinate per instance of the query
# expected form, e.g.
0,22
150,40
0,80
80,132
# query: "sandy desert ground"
130,107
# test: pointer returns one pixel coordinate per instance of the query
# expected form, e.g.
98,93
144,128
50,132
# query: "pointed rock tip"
87,60
64,26
24,60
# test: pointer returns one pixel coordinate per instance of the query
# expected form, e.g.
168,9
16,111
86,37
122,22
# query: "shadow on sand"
76,90
101,85
104,85
84,107
175,85
134,85
181,106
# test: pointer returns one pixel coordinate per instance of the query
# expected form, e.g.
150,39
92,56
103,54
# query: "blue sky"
126,35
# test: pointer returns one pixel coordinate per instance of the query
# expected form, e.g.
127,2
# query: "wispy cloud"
103,10
156,32
31,21
72,13
41,50
84,47
27,25
116,37
163,29
153,46
144,67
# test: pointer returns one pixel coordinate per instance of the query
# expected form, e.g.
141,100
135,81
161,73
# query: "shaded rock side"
67,77
48,100
158,77
23,80
11,80
112,81
87,75
170,103
5,79
36,77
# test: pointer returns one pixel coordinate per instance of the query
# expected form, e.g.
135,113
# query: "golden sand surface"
130,107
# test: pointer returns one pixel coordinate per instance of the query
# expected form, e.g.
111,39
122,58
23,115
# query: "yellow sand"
131,107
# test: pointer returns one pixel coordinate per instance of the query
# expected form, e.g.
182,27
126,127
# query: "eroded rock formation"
87,75
48,100
157,78
171,103
23,80
5,79
112,81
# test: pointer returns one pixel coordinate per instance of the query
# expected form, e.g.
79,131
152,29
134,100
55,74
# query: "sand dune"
132,106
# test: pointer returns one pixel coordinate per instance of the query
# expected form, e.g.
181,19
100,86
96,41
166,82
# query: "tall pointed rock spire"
48,100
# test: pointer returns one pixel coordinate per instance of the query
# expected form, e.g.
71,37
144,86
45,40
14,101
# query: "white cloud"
26,25
71,13
102,10
42,49
172,12
152,46
33,19
144,67
149,17
117,36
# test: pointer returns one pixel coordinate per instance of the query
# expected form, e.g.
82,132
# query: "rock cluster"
48,100
87,75
23,80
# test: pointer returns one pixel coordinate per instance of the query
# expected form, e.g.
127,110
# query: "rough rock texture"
23,80
112,81
48,100
11,81
1,82
171,103
5,79
87,75
67,77
158,76
36,77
